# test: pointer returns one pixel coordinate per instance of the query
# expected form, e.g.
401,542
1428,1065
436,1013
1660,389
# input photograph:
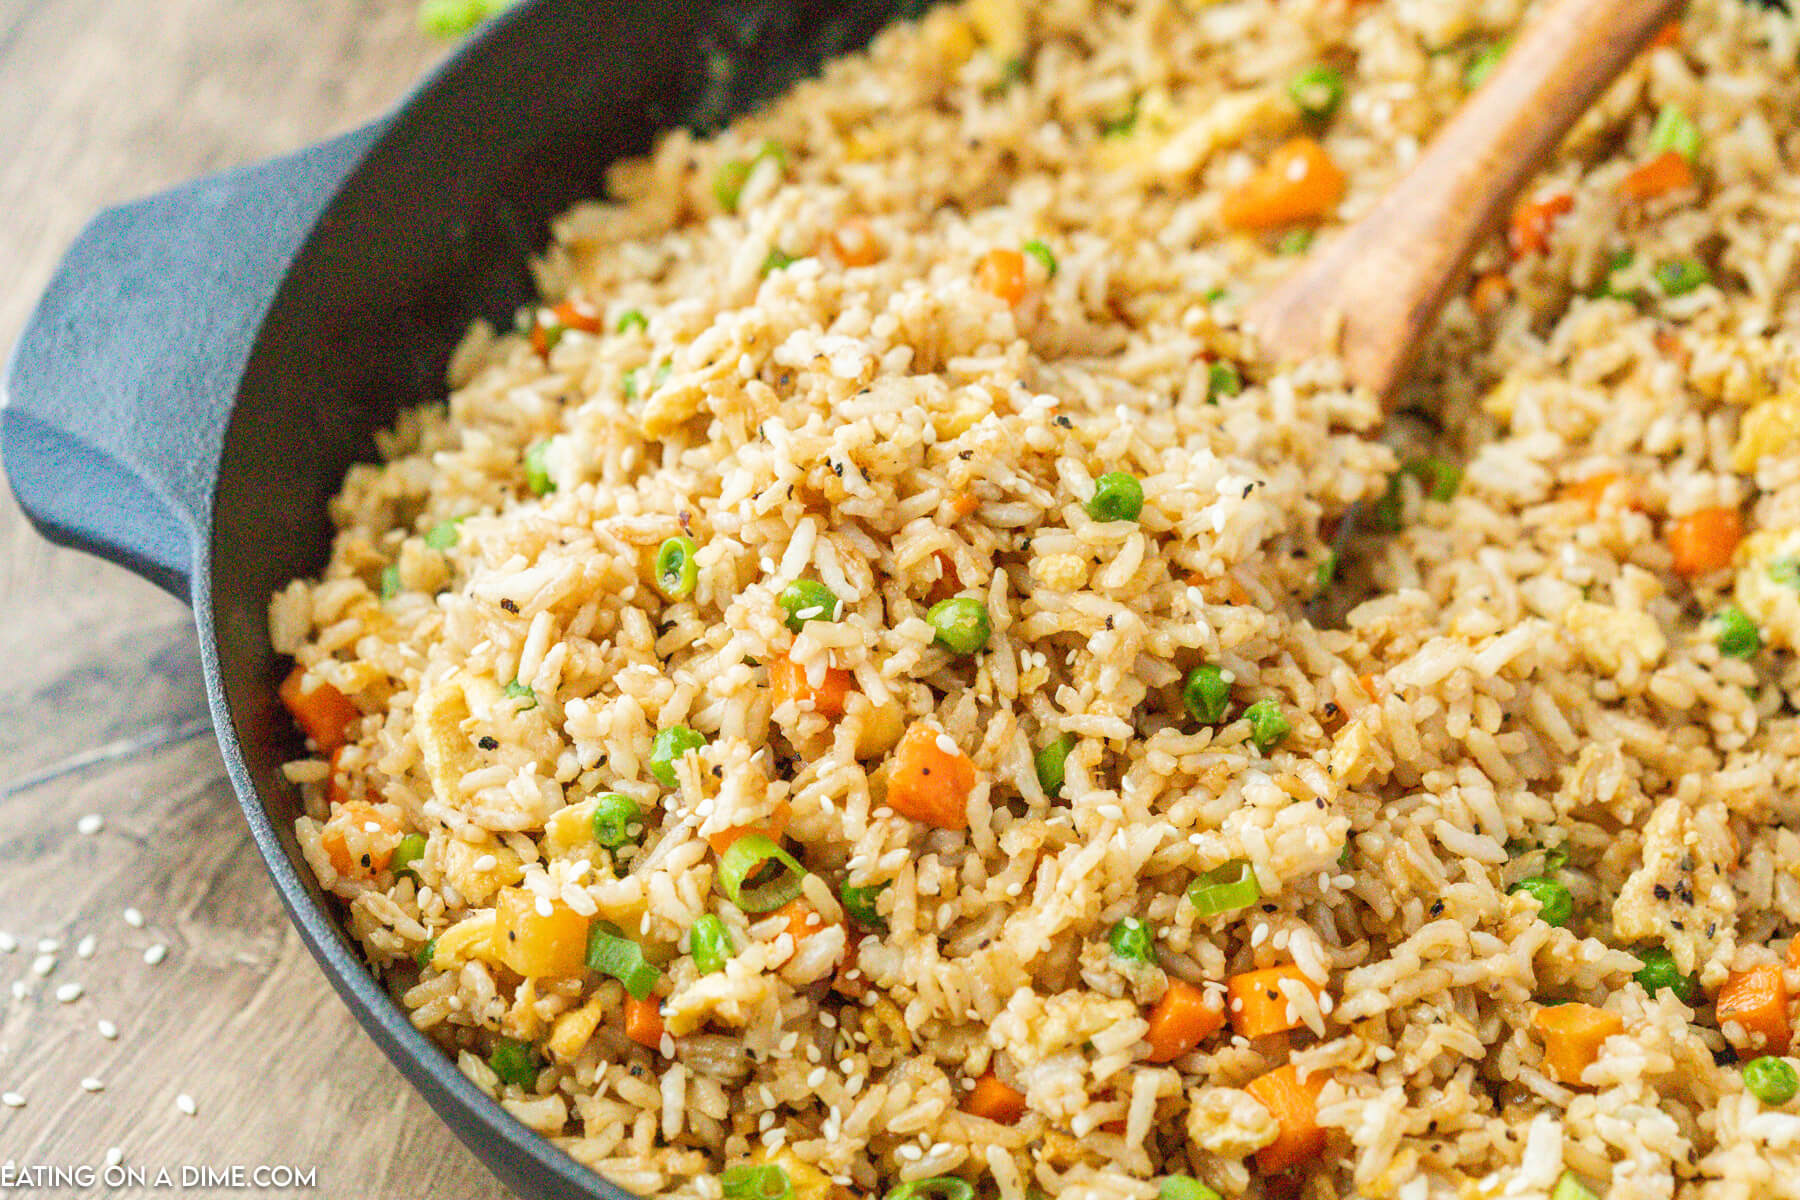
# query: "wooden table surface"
102,709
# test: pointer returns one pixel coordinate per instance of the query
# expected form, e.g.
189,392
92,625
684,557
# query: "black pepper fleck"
510,606
488,742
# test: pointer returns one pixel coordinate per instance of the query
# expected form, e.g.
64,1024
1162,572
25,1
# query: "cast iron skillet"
207,363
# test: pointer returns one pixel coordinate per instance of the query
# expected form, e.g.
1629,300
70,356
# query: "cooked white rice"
1515,674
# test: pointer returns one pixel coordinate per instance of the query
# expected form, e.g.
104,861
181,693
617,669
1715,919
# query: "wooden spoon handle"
1371,293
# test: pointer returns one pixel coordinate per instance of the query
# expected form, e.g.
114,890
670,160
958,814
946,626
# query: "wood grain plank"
102,101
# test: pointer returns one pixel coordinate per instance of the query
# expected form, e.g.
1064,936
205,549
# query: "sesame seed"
186,1104
8,943
544,908
134,918
946,745
815,1077
114,1156
12,1100
371,826
910,1152
43,964
48,945
85,947
68,993
667,1045
108,1030
90,824
156,953
18,989
807,614
486,862
90,1084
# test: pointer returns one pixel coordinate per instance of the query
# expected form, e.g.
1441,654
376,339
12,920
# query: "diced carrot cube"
1258,1003
1528,231
1756,1001
359,839
1704,540
322,712
774,827
995,1100
854,243
1573,1034
1298,183
1295,1107
1002,273
643,1021
931,778
1667,172
1180,1020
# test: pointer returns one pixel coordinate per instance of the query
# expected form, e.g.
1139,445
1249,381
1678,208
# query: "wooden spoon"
1371,293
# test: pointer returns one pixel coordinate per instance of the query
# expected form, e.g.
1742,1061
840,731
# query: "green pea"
1317,91
1735,633
1050,761
391,585
444,534
668,748
778,260
632,321
676,572
961,624
515,1063
1771,1080
1568,1187
1659,972
1555,903
1223,379
1118,496
1043,254
617,819
537,471
410,850
710,944
1131,940
860,903
1294,241
1185,1187
1682,276
1206,693
1483,64
807,600
1268,725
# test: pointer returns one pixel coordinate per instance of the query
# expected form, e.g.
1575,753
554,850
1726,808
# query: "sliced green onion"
444,534
710,944
732,175
1223,379
454,18
1675,130
1786,572
1735,633
610,952
1326,572
778,260
1483,64
1051,763
860,903
943,1187
1682,276
1438,480
745,860
537,471
669,747
1122,124
515,1063
390,582
426,953
615,818
1132,941
410,850
1225,889
1295,241
1042,252
1318,91
767,1181
631,320
1570,1188
519,691
1185,1187
676,572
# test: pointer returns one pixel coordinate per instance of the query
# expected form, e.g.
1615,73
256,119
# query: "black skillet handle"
119,389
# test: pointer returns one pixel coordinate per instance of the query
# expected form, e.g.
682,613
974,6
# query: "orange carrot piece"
337,784
1572,1036
1793,953
1704,540
774,827
1257,1003
1593,490
1668,35
1489,293
1295,1107
995,1101
323,714
1002,273
1181,1020
788,681
965,503
643,1021
931,779
1669,342
1528,230
1667,172
1757,1001
854,243
359,839
948,582
1298,183
803,920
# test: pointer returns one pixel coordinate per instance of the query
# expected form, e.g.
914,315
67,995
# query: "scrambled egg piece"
1772,427
1768,584
1618,641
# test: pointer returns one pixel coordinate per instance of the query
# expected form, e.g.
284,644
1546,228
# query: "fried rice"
1535,625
